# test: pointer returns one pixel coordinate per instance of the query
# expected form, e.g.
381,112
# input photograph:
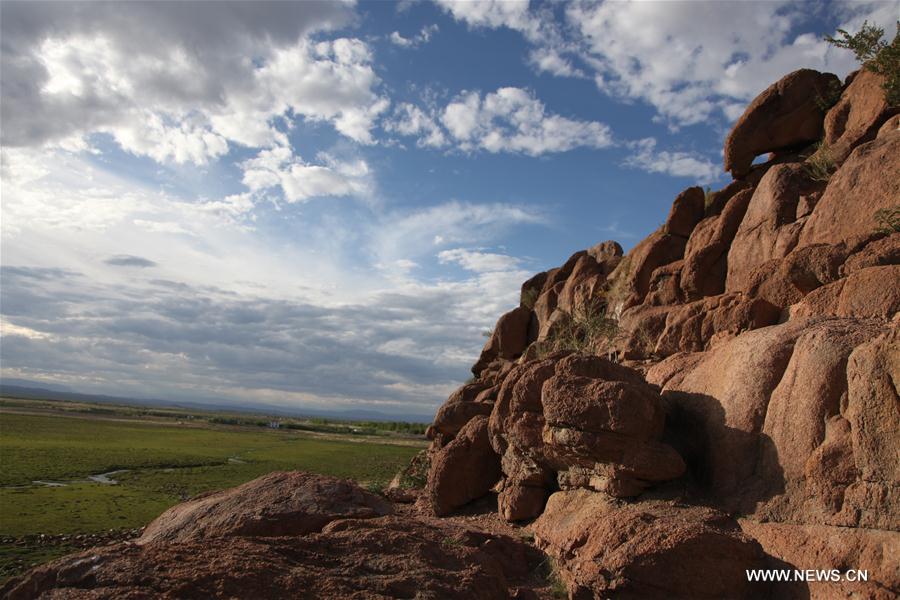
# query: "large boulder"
858,115
861,186
463,470
786,115
651,549
281,503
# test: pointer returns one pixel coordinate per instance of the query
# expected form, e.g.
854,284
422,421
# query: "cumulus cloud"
423,37
508,120
299,181
646,157
177,81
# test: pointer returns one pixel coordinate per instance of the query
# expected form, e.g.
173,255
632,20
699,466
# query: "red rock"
881,251
463,470
518,502
769,229
706,254
686,212
388,557
531,289
585,280
665,285
606,252
280,503
630,282
462,405
651,549
783,282
785,115
858,115
890,127
860,187
508,339
873,292
698,325
793,546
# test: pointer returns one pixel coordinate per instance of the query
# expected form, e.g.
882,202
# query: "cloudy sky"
323,205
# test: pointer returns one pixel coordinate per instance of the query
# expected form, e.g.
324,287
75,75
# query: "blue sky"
323,205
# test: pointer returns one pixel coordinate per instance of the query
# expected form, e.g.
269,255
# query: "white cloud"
550,60
508,120
300,181
478,261
423,37
177,86
677,164
491,13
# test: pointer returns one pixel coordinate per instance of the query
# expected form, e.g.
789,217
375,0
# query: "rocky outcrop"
786,115
861,186
386,557
650,549
278,504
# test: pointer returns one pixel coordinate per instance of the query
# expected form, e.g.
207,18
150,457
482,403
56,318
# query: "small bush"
875,54
820,164
887,220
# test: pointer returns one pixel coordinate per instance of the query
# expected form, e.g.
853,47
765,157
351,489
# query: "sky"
325,205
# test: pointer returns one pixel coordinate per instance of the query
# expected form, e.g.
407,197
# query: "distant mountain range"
23,388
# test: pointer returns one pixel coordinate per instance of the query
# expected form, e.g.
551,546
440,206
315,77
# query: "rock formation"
740,413
746,415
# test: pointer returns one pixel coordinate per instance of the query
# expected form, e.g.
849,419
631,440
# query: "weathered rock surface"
463,470
387,557
785,115
278,504
857,116
861,186
648,549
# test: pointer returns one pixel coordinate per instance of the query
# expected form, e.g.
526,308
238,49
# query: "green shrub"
887,220
875,54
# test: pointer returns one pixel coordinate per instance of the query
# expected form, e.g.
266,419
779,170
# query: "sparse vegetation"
875,54
887,220
830,96
549,570
820,165
529,297
487,333
708,196
618,290
586,329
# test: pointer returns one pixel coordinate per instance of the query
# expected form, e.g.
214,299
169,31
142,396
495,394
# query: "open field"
160,460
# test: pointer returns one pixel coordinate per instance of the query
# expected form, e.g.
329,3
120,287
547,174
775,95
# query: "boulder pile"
745,413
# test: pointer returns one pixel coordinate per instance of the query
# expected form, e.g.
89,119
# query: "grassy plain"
167,459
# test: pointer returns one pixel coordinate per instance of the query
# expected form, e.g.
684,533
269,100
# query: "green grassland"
167,461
